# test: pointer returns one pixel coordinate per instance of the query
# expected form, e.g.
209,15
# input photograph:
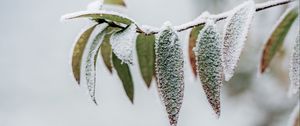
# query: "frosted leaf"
169,71
236,30
96,5
294,71
90,67
122,43
295,116
100,14
208,53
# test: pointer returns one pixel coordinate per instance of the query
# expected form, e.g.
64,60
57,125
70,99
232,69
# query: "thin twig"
217,17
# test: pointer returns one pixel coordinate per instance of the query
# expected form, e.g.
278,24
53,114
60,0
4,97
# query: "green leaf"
125,76
192,43
115,2
276,40
146,56
101,14
78,51
106,50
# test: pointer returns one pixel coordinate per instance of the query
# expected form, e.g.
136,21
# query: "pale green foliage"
208,53
169,71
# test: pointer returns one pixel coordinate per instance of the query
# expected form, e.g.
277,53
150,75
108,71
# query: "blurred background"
38,89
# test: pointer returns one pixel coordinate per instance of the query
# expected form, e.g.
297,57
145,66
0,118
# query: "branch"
218,17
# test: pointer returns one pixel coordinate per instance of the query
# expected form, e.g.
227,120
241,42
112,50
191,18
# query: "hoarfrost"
90,67
96,5
122,43
94,12
169,71
208,52
148,29
235,35
294,71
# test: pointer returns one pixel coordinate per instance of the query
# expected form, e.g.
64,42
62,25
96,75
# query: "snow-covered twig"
217,17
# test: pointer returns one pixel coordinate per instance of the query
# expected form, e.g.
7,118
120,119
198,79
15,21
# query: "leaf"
125,76
78,50
169,71
115,2
277,37
146,56
122,43
106,51
208,53
294,71
192,43
236,30
90,67
101,14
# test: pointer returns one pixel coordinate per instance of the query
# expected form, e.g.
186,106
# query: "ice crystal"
295,68
208,53
90,67
122,43
235,34
169,71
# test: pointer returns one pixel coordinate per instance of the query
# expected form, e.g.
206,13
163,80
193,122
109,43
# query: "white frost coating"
79,13
208,52
148,29
169,71
90,68
202,18
122,43
294,116
95,6
236,30
294,71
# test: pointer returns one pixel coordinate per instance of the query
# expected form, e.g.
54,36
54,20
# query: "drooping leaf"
236,30
101,14
208,53
169,71
78,50
124,74
122,43
106,52
192,43
146,56
115,2
90,66
294,71
277,37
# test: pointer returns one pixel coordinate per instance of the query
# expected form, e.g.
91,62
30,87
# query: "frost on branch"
295,68
122,43
235,34
169,71
90,67
208,53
